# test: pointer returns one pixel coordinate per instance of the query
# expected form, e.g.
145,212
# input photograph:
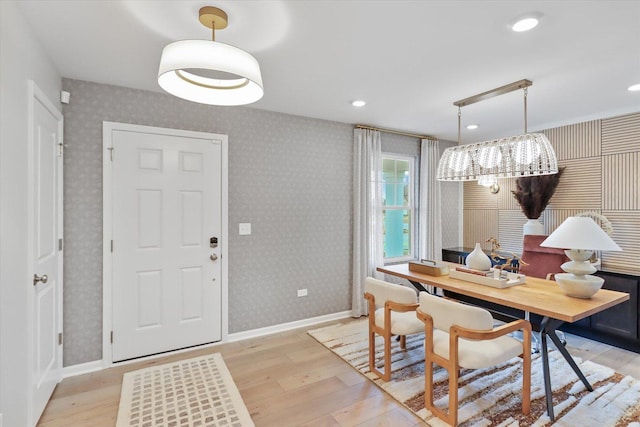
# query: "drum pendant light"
210,72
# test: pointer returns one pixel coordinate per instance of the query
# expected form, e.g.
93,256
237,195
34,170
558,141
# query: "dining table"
539,296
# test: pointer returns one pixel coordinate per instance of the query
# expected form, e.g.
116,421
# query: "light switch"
245,228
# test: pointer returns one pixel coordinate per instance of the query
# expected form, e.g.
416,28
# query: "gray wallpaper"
289,176
451,212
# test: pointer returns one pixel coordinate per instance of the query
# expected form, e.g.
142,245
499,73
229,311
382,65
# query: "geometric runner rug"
197,392
492,397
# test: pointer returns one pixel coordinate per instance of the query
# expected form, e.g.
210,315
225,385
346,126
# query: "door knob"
213,257
44,278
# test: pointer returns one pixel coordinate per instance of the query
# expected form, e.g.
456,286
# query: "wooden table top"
539,296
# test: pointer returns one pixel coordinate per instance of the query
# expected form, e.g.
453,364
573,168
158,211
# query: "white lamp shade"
210,72
580,233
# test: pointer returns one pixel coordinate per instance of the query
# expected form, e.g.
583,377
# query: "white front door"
45,216
166,216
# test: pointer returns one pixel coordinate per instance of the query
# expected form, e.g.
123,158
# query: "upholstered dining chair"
391,312
462,336
540,261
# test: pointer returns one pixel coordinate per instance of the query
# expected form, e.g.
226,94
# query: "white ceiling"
410,60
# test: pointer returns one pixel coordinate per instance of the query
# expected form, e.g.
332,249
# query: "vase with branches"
533,193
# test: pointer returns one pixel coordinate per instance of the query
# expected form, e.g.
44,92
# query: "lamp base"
579,286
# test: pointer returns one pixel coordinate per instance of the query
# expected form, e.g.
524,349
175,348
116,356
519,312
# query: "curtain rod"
397,132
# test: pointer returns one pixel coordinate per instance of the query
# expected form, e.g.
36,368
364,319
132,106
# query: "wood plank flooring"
285,379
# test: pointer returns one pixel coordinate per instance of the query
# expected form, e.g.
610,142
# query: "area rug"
196,392
492,397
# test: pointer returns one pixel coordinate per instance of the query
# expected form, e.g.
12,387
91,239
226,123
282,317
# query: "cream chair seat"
391,312
461,336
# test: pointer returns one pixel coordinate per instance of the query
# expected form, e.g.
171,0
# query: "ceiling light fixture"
358,103
210,72
634,88
525,24
528,154
472,127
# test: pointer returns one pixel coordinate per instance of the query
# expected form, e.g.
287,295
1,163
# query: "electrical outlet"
302,293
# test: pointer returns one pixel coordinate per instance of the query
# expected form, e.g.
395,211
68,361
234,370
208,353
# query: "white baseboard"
97,365
0,420
83,368
254,333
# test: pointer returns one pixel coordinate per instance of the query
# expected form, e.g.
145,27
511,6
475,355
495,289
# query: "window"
398,207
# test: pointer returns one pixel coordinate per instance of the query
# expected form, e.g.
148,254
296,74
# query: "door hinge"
111,337
59,244
112,246
60,338
110,153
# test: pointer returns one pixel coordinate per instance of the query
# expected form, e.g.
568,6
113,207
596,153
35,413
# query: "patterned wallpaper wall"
289,176
602,160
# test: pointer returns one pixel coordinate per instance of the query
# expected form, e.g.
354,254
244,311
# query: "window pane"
395,173
397,234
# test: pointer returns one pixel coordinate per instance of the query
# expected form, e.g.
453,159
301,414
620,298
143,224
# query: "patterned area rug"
491,397
196,392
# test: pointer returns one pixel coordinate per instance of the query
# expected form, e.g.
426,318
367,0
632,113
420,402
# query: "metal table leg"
418,286
548,327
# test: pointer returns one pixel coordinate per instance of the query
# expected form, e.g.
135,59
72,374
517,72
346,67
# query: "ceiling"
409,60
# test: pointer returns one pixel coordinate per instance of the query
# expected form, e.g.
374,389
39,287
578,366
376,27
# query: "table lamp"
583,236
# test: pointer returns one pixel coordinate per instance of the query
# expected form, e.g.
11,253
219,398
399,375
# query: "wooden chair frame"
453,368
385,333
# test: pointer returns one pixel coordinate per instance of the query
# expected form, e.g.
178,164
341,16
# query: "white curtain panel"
430,212
367,213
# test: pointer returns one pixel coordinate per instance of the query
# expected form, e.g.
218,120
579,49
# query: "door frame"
107,225
35,94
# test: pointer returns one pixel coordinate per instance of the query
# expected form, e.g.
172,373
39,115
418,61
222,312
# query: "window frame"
411,207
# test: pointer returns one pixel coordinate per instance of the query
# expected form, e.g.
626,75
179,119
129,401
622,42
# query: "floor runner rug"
196,392
492,397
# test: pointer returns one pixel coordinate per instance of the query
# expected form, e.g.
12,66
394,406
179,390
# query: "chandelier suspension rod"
459,120
525,109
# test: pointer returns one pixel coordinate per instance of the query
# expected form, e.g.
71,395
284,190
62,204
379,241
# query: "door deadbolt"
44,279
213,257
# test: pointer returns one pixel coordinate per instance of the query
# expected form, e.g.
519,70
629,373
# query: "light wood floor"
285,379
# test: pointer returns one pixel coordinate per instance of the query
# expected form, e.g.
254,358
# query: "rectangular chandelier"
528,154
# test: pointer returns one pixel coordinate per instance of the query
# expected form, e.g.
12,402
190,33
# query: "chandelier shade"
528,154
210,72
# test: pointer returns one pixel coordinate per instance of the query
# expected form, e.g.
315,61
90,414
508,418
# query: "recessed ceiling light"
634,88
358,103
472,127
525,24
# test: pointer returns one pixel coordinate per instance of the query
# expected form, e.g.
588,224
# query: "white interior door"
45,208
166,212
